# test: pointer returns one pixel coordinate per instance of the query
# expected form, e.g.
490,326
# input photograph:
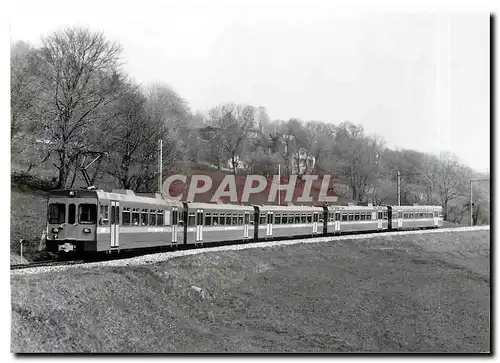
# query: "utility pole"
160,165
279,184
399,187
470,187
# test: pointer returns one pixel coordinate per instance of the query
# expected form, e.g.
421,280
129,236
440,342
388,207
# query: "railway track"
45,264
152,251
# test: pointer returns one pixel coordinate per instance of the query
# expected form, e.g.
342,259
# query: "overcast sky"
421,81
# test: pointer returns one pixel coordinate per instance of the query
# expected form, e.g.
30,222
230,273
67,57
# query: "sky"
420,80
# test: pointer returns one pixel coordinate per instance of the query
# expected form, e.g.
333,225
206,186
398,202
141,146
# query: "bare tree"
140,120
450,181
232,125
125,140
23,88
79,76
359,157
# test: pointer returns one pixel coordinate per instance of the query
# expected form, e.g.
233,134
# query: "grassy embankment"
421,293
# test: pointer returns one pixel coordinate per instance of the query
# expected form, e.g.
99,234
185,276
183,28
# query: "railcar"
345,219
415,216
94,221
208,223
287,221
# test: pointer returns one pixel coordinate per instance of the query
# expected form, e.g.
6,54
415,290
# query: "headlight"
55,230
86,230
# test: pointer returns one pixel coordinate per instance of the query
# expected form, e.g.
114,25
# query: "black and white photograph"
248,177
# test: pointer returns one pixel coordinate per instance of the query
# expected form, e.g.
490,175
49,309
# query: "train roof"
288,208
413,207
120,195
217,206
131,197
356,207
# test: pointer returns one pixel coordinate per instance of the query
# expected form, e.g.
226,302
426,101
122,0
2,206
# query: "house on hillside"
303,162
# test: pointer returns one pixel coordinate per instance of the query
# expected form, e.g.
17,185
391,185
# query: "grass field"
27,220
414,293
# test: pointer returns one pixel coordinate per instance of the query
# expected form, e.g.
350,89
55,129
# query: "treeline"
70,98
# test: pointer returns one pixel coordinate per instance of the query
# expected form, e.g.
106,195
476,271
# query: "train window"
152,217
222,219
405,216
440,215
421,215
126,216
284,219
331,217
277,219
103,214
235,219
87,213
296,218
303,218
430,215
351,216
386,215
144,217
247,218
208,219
240,219
57,213
71,214
369,216
344,217
191,219
356,217
309,218
363,216
251,217
228,218
262,219
135,216
215,219
159,217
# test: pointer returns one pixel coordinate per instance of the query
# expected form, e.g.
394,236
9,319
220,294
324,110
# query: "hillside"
413,293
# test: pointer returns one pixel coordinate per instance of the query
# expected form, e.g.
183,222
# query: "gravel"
160,257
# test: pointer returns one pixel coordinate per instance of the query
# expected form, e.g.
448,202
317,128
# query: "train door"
315,222
175,222
337,222
71,228
380,217
199,225
245,226
400,219
269,229
115,224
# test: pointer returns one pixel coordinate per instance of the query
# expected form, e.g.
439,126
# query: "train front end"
71,221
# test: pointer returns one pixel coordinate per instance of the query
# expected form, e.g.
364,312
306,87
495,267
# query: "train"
92,221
